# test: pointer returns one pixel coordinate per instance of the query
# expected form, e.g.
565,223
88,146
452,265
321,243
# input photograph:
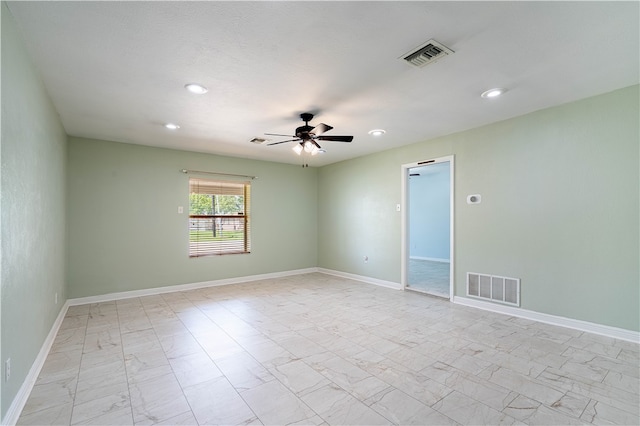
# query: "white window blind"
219,217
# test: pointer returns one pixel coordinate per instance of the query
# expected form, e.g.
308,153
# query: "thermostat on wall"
474,199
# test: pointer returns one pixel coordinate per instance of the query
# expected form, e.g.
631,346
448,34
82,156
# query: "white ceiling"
117,70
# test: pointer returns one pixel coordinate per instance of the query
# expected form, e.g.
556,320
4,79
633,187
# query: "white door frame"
404,251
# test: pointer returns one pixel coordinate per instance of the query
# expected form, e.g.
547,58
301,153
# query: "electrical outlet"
7,369
366,259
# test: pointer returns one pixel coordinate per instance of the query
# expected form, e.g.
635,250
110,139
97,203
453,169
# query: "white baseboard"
183,287
369,280
589,327
19,401
433,259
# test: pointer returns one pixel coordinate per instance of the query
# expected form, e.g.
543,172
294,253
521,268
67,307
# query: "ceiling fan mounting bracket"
306,117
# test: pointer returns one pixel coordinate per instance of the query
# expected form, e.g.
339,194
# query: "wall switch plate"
7,369
56,301
397,207
180,210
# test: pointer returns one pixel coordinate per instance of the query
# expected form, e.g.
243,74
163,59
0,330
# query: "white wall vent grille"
427,53
494,288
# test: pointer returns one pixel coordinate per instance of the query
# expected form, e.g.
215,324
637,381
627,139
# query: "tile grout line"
84,342
124,361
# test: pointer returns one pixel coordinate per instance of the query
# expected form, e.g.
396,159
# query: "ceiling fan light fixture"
377,132
196,88
493,93
297,148
308,146
315,150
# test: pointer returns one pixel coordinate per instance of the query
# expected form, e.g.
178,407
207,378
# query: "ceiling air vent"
427,53
258,140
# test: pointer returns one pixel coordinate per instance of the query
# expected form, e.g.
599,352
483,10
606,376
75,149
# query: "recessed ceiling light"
172,126
377,132
196,88
493,93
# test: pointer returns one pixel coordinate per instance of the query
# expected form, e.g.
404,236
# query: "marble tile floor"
318,349
429,277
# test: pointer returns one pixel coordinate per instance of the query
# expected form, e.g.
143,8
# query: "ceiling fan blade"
320,129
277,143
335,138
277,134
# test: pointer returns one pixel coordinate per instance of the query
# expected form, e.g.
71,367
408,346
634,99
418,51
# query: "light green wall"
125,232
33,192
559,208
357,217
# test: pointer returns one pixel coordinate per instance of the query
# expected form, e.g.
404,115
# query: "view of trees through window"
207,204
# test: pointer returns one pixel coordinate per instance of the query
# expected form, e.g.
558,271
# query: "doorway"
427,234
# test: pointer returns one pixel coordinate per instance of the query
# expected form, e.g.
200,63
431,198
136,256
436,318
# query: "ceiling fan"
308,136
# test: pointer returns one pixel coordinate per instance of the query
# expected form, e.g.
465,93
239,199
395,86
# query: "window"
218,217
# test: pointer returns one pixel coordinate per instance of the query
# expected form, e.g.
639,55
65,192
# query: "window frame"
205,248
